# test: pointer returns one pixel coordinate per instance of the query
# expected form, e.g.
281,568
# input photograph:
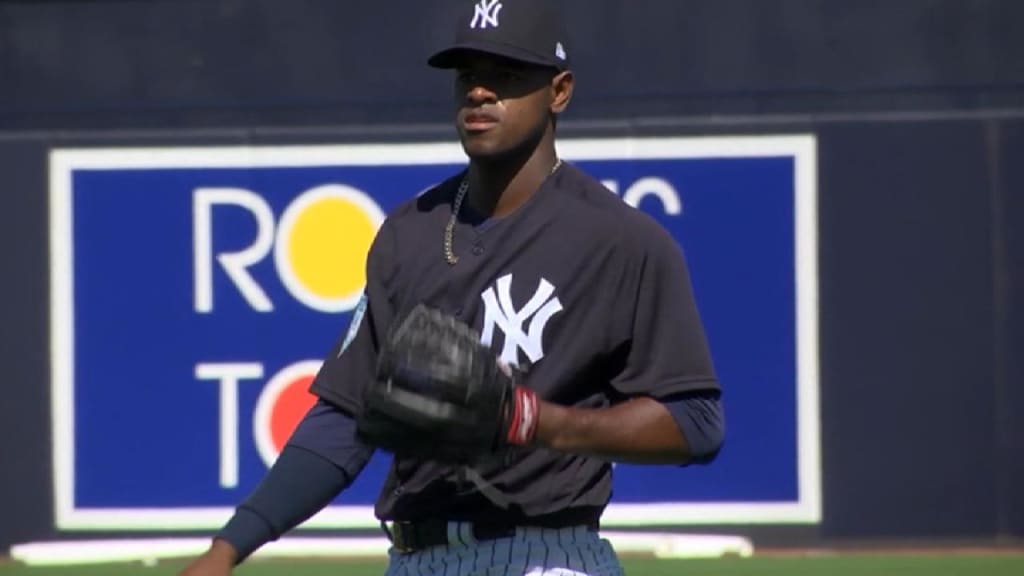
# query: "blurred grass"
842,565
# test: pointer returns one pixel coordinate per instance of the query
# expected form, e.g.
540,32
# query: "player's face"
503,105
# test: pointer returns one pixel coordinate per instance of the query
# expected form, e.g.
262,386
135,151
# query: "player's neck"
497,189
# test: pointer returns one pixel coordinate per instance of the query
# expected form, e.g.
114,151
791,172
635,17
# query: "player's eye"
467,77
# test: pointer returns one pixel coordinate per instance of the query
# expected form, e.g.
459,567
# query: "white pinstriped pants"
530,552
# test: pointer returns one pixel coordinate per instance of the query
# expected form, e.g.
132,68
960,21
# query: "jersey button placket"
478,249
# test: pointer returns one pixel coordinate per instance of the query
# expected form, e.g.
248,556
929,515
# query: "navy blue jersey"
590,297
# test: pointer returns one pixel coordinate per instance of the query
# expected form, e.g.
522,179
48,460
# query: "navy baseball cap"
528,31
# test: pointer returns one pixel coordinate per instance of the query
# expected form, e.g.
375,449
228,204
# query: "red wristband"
525,415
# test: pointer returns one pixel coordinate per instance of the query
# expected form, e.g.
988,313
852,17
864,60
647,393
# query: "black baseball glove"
442,395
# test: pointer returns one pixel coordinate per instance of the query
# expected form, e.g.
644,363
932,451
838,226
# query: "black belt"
412,536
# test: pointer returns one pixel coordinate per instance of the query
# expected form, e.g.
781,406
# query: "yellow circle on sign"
323,241
328,247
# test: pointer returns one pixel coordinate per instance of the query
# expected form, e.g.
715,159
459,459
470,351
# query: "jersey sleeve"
351,364
661,346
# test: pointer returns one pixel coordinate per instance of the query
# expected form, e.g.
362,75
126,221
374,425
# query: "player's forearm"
299,484
640,431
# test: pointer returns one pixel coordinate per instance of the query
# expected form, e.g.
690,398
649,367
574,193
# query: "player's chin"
482,147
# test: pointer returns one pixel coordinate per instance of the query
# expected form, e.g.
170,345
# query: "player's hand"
219,560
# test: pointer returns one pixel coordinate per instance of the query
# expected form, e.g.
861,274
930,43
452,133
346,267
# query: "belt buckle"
399,532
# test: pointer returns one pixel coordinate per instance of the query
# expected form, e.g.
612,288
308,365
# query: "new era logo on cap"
486,14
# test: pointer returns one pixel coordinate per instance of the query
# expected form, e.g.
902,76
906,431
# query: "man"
588,298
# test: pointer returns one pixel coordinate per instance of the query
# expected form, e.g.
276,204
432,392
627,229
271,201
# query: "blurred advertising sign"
195,291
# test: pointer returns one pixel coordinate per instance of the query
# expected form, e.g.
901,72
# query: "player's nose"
480,94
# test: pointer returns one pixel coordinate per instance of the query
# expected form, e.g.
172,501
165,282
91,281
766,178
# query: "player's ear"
561,90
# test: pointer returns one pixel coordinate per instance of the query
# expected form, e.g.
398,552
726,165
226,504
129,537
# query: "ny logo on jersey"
500,312
486,14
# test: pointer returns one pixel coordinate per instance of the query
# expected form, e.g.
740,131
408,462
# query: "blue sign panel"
196,291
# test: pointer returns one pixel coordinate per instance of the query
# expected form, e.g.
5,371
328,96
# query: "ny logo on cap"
486,14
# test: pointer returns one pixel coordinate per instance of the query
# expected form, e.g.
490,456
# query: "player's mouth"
477,121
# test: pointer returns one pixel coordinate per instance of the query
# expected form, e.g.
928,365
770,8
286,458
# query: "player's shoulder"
407,222
435,197
590,201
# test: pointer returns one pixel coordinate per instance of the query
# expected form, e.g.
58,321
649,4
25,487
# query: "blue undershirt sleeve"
322,458
331,433
701,420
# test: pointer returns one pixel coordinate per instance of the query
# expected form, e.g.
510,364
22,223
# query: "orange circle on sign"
293,403
281,405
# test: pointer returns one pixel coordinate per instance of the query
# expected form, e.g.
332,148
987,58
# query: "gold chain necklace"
449,229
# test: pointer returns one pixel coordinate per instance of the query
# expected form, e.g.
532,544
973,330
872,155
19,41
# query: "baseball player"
521,330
